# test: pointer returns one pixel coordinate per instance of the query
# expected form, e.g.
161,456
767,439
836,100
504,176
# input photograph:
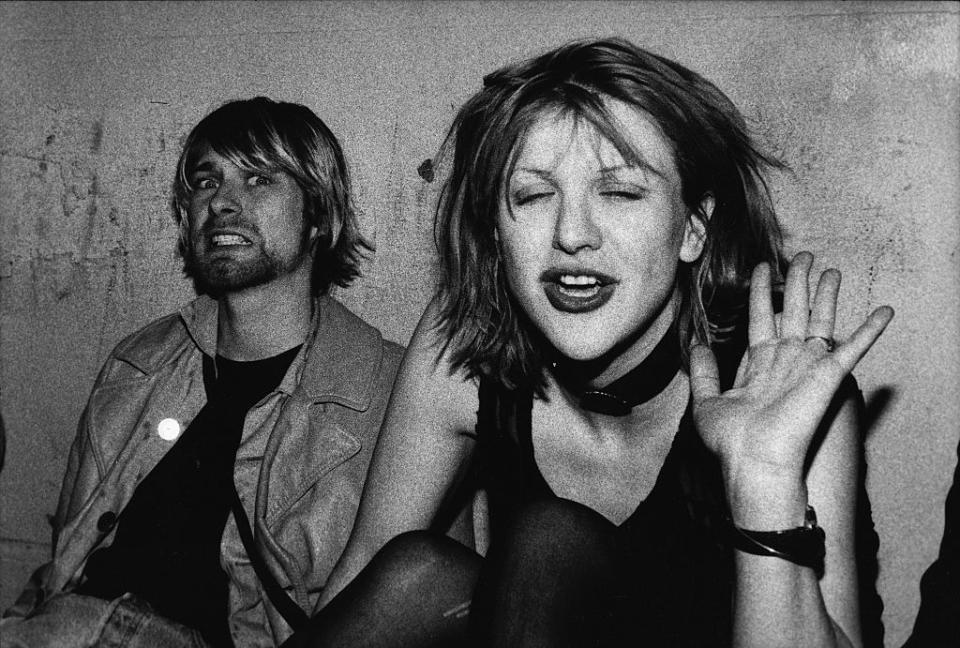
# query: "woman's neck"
658,417
629,377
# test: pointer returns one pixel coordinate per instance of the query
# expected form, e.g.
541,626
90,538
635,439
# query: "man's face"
246,226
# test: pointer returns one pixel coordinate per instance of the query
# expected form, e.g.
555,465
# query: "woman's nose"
576,229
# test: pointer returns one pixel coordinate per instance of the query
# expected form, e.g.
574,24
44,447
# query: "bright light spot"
168,429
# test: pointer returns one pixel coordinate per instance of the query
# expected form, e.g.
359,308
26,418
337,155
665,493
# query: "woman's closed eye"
623,192
523,197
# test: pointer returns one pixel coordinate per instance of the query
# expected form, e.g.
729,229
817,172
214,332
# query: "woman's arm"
763,431
424,442
780,603
833,491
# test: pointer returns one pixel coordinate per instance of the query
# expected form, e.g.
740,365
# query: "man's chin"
220,279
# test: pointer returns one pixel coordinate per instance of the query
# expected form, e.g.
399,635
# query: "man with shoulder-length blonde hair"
219,462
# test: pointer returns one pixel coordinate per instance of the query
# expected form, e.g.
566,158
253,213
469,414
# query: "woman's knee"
415,548
421,555
558,523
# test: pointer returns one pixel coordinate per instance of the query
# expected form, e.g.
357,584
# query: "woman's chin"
580,350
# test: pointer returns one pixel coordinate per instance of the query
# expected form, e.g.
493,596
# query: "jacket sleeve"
81,478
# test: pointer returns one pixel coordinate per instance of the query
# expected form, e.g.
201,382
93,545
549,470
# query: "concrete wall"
861,100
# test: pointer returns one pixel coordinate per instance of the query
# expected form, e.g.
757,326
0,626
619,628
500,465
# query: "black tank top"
679,556
680,567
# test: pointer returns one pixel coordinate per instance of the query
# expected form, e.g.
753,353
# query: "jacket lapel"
313,436
128,454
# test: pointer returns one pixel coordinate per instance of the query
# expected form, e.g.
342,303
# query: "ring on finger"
829,341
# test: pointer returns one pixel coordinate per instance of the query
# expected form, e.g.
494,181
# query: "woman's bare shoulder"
429,387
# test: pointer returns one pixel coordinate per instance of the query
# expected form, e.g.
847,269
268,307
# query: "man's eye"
260,180
205,183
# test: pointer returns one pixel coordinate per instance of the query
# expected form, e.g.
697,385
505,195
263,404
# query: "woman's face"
591,244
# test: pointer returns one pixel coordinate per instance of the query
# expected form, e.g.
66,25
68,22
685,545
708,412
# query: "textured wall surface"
860,99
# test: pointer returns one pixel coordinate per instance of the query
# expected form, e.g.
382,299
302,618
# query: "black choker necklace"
637,386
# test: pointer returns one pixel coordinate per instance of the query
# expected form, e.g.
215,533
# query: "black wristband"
804,546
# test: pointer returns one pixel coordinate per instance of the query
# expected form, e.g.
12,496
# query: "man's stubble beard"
217,277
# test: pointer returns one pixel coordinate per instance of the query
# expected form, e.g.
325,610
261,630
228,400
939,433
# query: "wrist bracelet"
804,546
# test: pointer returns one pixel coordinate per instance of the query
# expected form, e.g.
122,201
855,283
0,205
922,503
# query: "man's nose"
576,228
226,200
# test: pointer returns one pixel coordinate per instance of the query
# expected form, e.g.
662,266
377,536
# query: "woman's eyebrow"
605,170
540,173
636,166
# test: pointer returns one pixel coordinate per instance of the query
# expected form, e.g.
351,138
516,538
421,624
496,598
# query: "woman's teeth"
579,280
579,285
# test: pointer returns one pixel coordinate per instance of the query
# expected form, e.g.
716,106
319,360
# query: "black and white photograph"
480,323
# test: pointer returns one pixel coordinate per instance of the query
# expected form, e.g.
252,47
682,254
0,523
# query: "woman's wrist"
763,500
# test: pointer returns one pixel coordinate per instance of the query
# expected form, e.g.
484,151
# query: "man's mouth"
572,292
227,240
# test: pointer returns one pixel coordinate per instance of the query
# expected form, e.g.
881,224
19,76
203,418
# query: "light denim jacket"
299,470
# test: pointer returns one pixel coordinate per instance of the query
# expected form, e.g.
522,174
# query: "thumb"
704,376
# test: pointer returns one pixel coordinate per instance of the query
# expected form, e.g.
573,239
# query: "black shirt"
678,575
167,547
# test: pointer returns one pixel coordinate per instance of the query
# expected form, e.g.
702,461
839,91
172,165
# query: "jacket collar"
200,318
338,362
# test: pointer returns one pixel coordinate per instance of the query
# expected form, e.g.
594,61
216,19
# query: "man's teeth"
229,239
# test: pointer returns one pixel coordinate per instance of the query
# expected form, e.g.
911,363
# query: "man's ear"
695,230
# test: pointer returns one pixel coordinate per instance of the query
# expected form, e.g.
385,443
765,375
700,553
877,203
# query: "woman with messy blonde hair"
609,251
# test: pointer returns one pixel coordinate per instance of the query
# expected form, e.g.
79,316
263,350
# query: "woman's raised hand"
761,428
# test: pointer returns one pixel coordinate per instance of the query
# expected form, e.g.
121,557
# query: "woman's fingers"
704,375
761,327
796,297
824,313
741,376
848,354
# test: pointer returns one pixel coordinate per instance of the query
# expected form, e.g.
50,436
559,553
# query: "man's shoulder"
393,351
338,321
349,360
392,357
153,333
150,346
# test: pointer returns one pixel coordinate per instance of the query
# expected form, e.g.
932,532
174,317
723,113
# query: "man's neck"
264,321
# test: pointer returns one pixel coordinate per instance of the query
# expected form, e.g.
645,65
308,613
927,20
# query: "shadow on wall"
3,443
867,540
874,408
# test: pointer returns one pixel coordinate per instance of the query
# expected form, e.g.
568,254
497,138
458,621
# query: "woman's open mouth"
577,292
